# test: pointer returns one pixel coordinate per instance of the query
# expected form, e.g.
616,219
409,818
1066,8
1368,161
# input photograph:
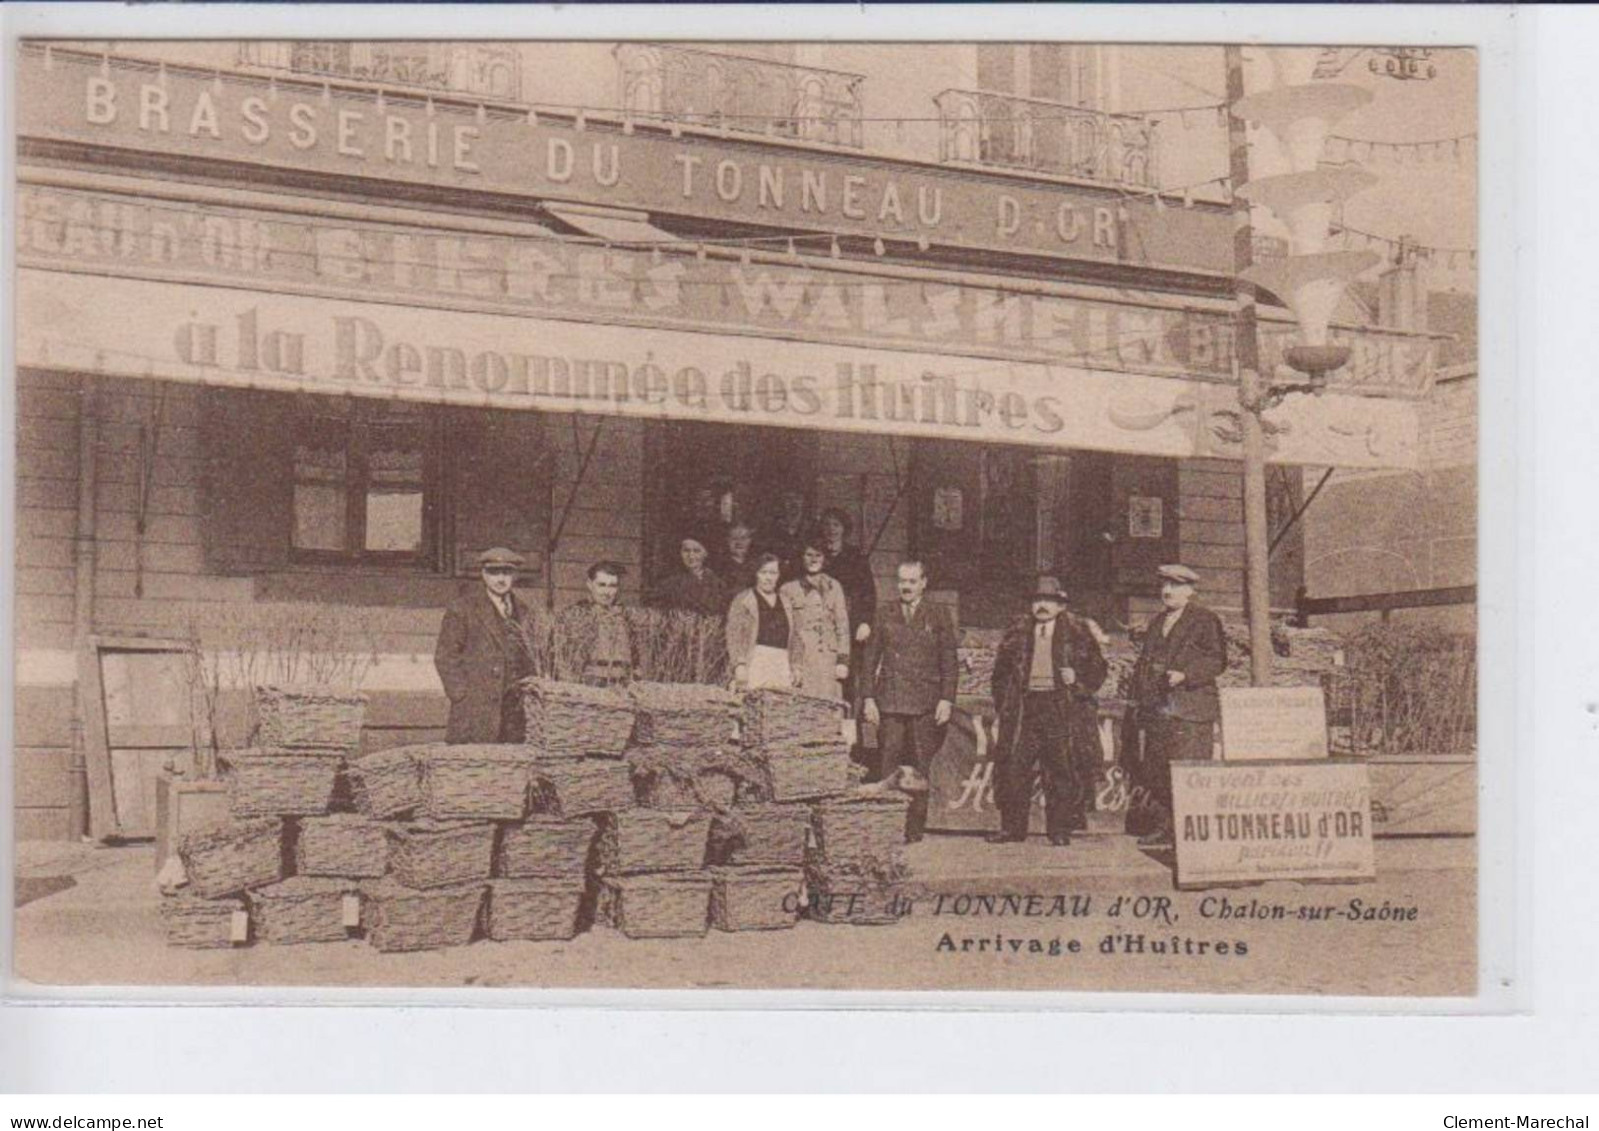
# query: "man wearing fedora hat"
1046,674
1174,690
482,653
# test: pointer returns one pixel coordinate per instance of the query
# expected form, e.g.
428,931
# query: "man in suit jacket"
908,683
1046,674
1174,687
482,653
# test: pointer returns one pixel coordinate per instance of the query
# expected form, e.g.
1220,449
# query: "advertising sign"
225,336
311,127
1273,723
1271,821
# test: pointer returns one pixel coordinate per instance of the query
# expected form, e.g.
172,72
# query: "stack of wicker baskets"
856,863
293,775
430,846
798,740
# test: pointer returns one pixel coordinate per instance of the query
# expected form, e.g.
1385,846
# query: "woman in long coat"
761,643
821,622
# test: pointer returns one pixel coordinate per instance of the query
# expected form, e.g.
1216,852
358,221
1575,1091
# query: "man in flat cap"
483,651
1046,674
593,640
1174,689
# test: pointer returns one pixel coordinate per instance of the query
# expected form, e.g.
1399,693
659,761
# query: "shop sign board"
1237,824
227,336
302,126
1273,723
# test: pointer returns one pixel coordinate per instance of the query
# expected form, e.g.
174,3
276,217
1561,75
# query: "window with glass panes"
363,475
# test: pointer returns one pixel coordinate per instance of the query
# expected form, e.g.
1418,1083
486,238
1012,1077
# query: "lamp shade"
1301,117
1305,201
1311,285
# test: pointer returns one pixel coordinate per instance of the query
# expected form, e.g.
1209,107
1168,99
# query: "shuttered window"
296,481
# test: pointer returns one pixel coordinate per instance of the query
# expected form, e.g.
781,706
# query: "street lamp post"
1310,280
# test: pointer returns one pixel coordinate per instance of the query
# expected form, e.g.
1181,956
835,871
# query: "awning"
613,225
242,337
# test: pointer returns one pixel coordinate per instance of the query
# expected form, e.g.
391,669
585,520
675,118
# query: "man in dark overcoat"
1046,674
908,680
1174,689
482,653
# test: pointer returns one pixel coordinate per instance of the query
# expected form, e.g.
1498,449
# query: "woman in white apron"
759,632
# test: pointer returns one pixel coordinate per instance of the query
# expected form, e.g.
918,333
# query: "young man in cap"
908,681
1174,688
483,651
1046,674
593,640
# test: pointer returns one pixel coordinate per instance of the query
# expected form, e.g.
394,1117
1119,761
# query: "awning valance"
235,336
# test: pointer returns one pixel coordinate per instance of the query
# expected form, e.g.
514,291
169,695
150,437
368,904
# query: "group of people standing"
798,603
825,634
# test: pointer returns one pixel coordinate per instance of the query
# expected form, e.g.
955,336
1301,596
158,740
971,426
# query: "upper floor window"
490,69
741,93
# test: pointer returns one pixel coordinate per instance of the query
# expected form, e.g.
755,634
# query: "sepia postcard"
782,515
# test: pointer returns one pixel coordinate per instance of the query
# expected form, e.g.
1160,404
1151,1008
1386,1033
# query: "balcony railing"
739,94
1011,132
492,70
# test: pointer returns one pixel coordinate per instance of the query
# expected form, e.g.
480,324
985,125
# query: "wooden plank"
1216,484
96,747
41,777
47,522
1424,796
1196,532
1210,510
48,433
36,609
43,824
58,493
47,552
58,404
47,463
157,557
58,636
45,582
1378,602
1201,556
124,497
116,526
163,586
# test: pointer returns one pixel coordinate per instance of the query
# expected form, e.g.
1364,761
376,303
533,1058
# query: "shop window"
319,482
363,483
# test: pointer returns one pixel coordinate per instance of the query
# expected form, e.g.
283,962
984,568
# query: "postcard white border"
1176,1030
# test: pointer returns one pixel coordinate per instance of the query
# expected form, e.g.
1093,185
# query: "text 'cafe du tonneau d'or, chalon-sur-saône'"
323,322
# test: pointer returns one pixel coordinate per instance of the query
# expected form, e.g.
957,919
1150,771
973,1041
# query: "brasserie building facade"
288,332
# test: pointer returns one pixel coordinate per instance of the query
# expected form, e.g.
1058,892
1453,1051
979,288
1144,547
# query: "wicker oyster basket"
761,834
762,898
660,905
293,715
653,840
341,844
538,908
860,826
575,719
475,782
276,782
199,923
545,846
230,858
397,918
301,909
387,783
430,854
